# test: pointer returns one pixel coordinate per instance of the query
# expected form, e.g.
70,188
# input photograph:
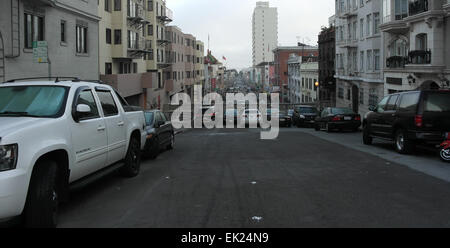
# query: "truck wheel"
367,140
41,208
402,144
132,160
171,142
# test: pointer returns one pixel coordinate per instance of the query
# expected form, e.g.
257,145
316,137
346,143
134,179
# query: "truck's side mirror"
81,111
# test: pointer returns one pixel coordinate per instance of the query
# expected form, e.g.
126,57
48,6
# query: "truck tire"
132,160
367,140
41,208
402,144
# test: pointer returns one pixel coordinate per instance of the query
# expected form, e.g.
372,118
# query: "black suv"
304,116
409,118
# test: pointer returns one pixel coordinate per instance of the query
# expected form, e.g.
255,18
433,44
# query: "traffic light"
316,85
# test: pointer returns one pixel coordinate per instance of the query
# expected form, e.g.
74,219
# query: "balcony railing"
419,57
396,62
417,6
165,14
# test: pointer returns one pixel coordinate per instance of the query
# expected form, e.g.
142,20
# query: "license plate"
347,118
282,119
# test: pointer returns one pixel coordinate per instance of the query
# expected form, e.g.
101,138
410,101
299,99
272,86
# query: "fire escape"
136,19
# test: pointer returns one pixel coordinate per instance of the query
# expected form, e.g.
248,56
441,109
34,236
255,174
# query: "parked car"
338,118
60,135
160,133
304,116
283,117
230,115
251,117
409,118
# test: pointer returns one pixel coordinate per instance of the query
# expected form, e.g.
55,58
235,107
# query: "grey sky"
228,22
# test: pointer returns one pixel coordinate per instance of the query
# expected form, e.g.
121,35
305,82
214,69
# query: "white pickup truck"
59,135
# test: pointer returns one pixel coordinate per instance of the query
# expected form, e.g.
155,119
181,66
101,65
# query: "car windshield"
307,110
437,102
33,101
341,111
149,118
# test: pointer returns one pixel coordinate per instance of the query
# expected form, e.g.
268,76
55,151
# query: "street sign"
40,52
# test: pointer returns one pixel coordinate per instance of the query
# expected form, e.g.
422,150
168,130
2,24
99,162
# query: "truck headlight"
8,157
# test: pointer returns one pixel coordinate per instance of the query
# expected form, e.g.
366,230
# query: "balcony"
136,16
417,7
48,2
166,39
165,15
137,48
394,24
348,43
163,63
130,84
394,62
419,57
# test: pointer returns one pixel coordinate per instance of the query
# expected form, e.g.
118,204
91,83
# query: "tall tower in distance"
265,32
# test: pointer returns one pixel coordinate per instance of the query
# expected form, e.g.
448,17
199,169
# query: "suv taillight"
418,120
358,118
336,118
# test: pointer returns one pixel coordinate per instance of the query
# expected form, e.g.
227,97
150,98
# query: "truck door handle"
101,128
121,124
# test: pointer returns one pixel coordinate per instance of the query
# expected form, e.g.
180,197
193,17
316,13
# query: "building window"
108,36
150,30
349,94
117,36
108,68
361,61
135,67
63,31
373,99
369,24
376,57
117,5
341,93
108,5
369,60
376,23
361,27
34,29
150,5
81,37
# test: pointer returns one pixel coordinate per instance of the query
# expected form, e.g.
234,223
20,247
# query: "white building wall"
265,32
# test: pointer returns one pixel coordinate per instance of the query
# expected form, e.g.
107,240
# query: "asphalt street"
231,178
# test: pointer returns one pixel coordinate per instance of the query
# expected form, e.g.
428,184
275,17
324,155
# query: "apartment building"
264,32
327,68
359,51
185,55
68,30
133,49
416,40
281,56
199,62
294,79
309,74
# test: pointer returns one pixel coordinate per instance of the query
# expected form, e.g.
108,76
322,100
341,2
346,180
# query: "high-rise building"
265,32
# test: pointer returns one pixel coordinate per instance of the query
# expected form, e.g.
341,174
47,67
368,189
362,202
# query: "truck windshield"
149,118
32,101
437,102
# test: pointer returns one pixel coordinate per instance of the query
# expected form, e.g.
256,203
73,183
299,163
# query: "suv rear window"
307,110
409,102
437,102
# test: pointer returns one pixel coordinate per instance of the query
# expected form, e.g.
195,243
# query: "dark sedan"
284,119
160,133
338,118
304,116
